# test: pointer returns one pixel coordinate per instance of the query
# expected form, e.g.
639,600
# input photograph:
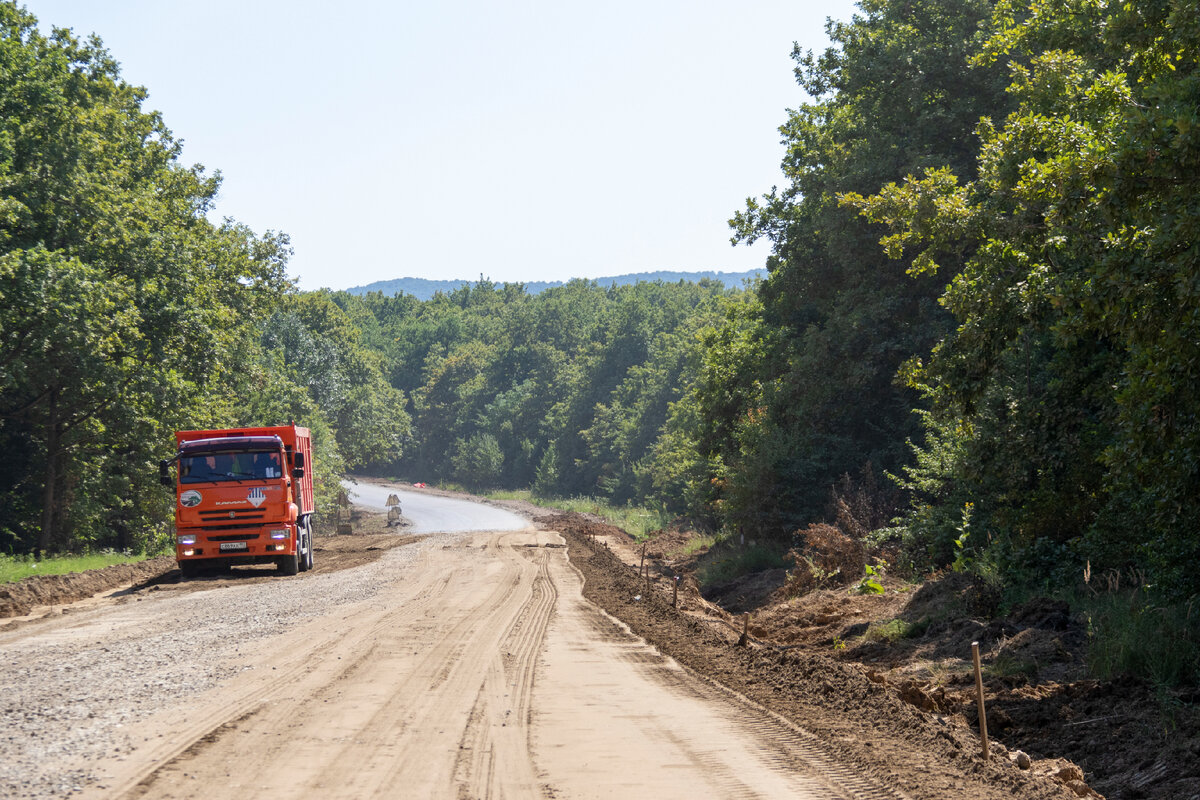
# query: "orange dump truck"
243,496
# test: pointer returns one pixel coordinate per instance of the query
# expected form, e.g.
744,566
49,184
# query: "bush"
825,555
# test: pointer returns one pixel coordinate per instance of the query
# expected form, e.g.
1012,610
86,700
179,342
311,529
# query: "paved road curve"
433,514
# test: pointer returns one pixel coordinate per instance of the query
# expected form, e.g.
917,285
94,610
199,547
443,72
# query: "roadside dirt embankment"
899,663
857,720
20,598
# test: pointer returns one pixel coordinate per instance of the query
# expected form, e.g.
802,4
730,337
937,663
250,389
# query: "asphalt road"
431,513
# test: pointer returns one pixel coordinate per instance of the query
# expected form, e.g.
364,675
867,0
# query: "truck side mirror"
164,477
298,460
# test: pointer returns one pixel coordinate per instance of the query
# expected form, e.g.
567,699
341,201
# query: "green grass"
14,568
727,560
634,520
697,543
892,631
1130,634
1007,666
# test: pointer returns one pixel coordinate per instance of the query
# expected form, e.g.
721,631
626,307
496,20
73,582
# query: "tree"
124,306
478,461
895,94
1073,368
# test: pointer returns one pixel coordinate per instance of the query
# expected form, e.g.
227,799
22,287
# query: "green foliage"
891,631
568,392
894,95
1131,634
478,461
1069,245
869,583
127,314
963,553
1009,666
729,560
313,342
817,575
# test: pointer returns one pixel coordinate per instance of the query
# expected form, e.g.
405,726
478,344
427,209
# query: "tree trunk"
50,488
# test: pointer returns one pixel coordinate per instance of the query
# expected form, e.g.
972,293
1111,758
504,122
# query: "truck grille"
236,537
212,516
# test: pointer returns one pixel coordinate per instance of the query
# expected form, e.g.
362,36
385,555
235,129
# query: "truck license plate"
233,545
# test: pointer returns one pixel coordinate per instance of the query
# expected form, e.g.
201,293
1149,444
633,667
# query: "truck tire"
288,565
309,555
304,537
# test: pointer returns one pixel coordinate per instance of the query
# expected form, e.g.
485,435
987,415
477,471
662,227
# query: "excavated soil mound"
19,598
859,721
1125,738
581,525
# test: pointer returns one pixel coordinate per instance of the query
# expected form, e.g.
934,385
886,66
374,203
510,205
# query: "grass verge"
634,520
14,568
728,560
1130,634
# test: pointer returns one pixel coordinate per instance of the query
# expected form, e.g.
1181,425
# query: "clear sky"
525,140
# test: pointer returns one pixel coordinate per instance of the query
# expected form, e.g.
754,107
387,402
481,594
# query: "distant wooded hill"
424,289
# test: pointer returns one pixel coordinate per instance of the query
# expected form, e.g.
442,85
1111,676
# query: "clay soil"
850,667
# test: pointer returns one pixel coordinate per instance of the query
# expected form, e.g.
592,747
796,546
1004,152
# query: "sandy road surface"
463,665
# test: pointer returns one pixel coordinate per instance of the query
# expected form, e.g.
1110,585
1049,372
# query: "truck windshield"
213,467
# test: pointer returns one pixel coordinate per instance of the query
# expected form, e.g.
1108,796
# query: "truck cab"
243,497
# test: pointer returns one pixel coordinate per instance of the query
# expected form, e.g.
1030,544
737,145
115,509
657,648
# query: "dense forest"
981,314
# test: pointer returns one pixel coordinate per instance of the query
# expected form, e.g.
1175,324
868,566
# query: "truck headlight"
279,533
187,538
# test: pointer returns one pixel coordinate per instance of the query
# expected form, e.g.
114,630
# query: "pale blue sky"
526,140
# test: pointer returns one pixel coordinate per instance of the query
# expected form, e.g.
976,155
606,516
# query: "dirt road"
459,665
483,675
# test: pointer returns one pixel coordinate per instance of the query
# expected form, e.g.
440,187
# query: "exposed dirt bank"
856,719
900,662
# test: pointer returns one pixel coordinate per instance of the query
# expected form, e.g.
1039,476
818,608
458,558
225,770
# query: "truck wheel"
288,565
305,539
309,555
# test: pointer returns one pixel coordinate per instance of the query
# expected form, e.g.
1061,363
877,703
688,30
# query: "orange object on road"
243,496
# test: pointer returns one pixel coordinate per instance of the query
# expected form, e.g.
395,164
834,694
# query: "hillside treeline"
981,314
578,390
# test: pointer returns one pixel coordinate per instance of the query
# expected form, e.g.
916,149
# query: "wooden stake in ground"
675,594
744,640
979,690
642,565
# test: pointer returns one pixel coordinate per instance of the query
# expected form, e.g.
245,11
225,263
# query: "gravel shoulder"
76,676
